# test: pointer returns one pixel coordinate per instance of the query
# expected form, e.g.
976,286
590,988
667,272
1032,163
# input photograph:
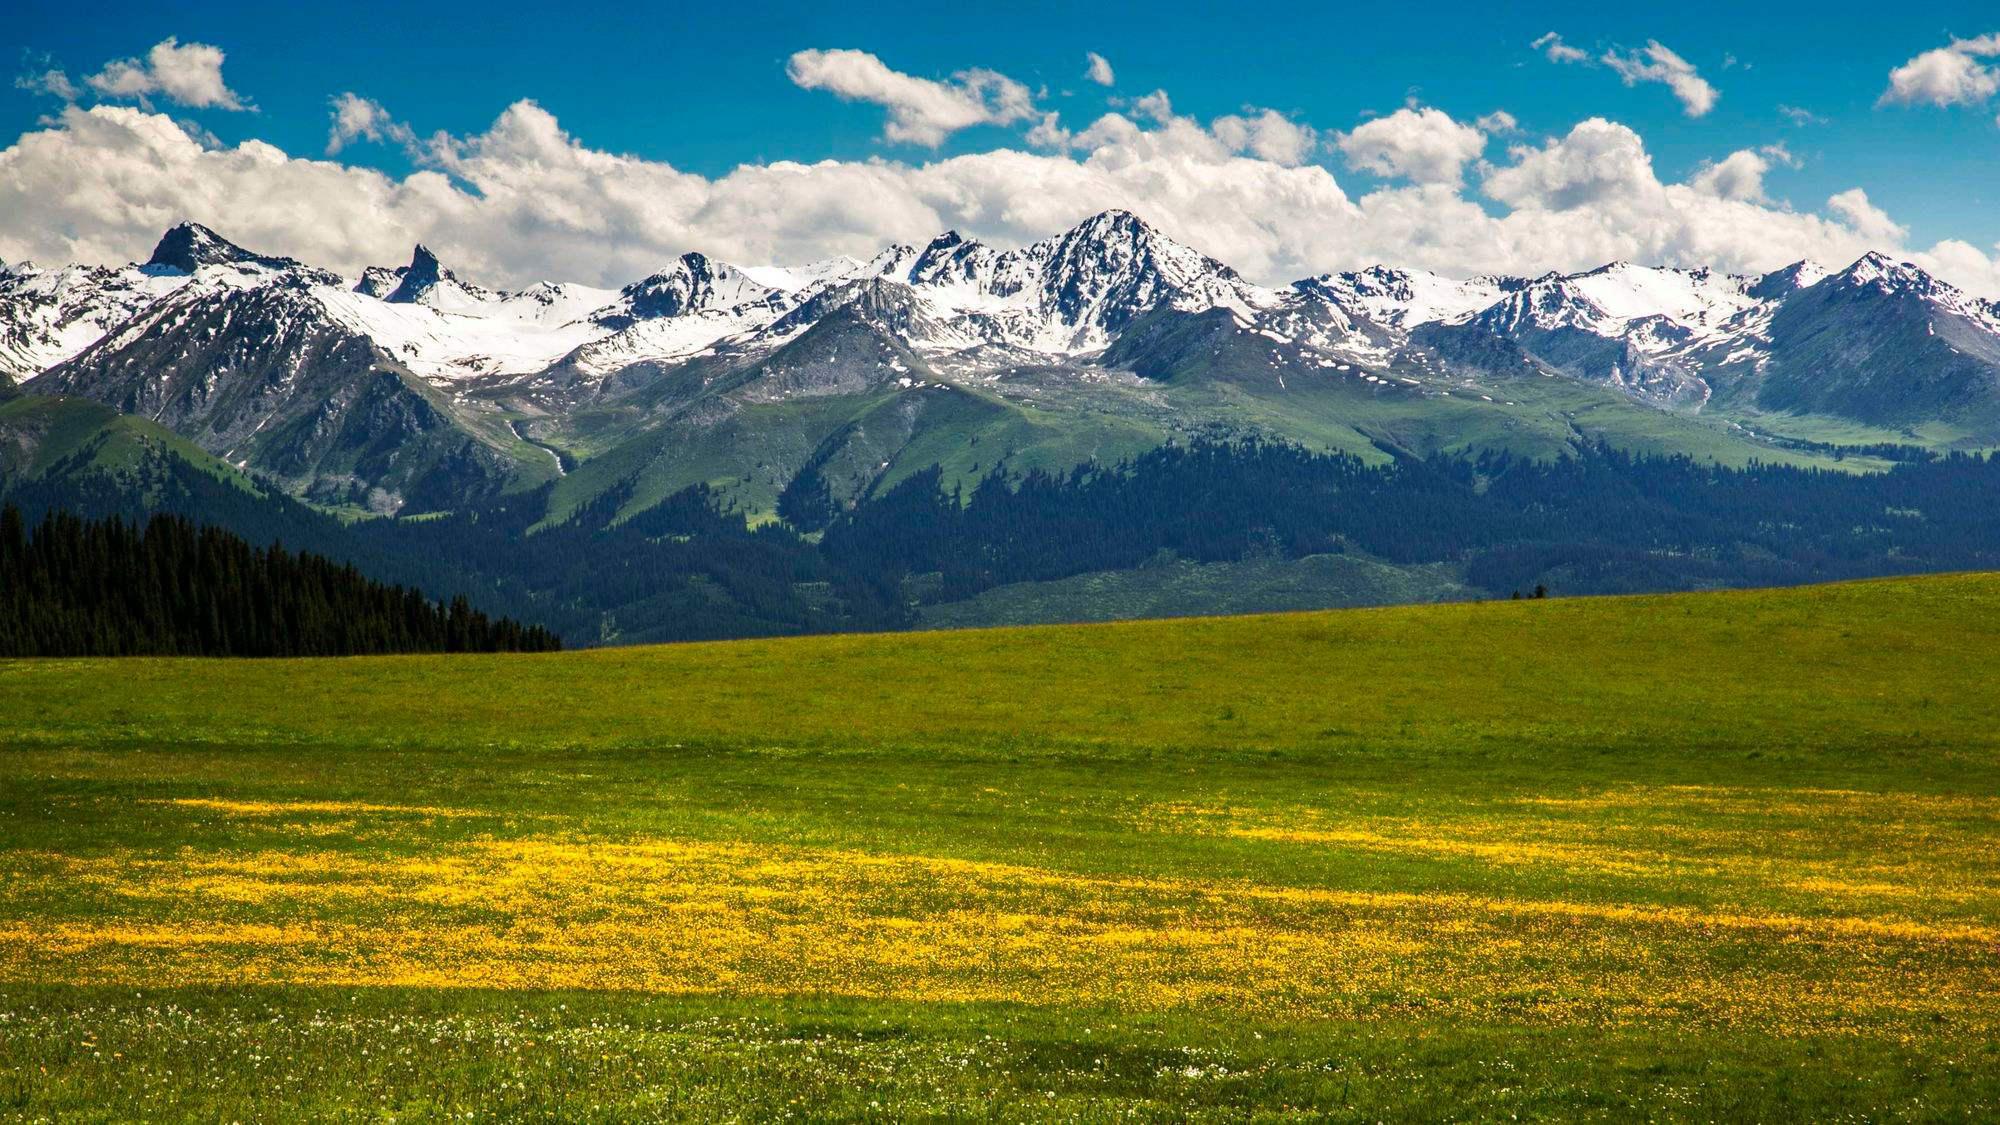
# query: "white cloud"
1598,162
921,111
1780,153
1947,76
1155,106
1267,135
1049,133
1557,51
1798,116
1867,220
1418,144
358,118
1740,175
1099,71
1497,122
1655,63
189,75
51,81
523,200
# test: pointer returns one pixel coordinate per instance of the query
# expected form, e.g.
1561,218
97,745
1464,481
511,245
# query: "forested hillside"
76,587
695,566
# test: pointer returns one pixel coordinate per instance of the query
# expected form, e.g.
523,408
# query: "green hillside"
1697,857
749,450
43,437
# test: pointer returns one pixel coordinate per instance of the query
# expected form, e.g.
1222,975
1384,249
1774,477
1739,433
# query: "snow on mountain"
694,284
685,309
47,316
1663,335
1781,283
441,345
1887,276
1404,299
1070,294
792,279
1606,300
1112,268
445,329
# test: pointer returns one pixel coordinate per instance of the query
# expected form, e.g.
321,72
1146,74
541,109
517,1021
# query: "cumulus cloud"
1655,63
1498,122
921,111
1264,134
1866,219
1740,175
1418,144
1098,70
1267,135
189,75
1798,116
1557,51
1947,76
357,118
523,199
1156,107
1049,133
1599,162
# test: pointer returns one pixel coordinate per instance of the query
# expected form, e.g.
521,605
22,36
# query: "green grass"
1057,421
1181,588
1716,856
42,433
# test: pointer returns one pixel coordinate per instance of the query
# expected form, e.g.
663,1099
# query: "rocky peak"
1781,283
189,246
419,277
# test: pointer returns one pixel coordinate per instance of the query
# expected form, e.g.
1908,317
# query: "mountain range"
410,389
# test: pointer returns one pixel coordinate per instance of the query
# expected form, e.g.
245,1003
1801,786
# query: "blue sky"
705,88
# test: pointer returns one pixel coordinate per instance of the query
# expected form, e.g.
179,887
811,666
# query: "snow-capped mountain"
446,329
1403,299
677,313
1070,294
1881,341
412,383
47,316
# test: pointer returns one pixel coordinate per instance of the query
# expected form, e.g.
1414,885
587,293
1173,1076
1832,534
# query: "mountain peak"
1801,274
189,246
1114,225
1114,216
419,277
1877,268
694,283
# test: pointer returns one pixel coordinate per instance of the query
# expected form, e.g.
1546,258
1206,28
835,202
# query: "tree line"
81,587
1596,521
692,566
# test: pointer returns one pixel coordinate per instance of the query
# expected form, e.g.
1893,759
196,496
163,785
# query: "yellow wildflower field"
683,916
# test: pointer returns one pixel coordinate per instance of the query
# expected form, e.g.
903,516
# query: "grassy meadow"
1720,856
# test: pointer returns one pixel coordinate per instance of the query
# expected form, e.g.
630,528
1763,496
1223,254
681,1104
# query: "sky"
573,143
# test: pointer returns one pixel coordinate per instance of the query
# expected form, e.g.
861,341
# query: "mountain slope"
263,378
413,389
1882,342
